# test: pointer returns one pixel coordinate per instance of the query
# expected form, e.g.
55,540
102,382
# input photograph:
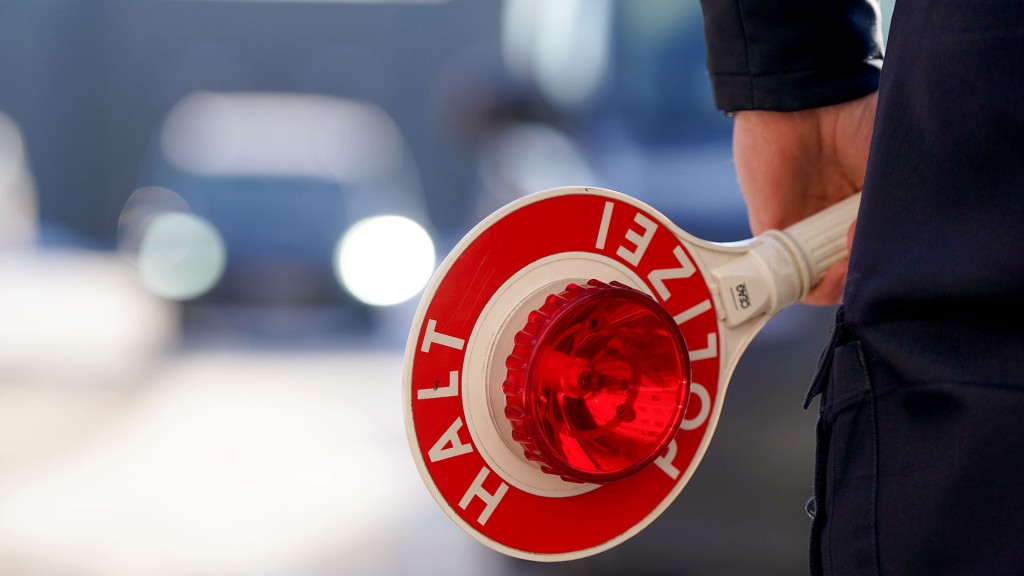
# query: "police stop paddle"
569,360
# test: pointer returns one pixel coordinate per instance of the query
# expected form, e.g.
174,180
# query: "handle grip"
784,265
821,238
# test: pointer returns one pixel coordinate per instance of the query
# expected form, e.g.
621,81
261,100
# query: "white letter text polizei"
476,490
704,353
432,336
640,241
686,269
665,460
606,220
692,312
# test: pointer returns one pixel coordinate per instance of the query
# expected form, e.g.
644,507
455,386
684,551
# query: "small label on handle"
744,293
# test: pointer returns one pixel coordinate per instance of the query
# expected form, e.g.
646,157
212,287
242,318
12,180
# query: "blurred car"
271,186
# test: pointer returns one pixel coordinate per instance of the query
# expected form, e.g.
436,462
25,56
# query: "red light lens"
597,382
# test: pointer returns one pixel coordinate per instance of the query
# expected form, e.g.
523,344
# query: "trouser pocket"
843,535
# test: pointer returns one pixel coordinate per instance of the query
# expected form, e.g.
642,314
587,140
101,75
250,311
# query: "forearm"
789,55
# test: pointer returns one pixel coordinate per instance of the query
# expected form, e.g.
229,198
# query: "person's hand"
793,164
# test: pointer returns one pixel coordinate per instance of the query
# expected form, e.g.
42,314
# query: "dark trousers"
920,467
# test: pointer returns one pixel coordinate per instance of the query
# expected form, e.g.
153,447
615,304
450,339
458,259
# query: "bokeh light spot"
385,260
181,256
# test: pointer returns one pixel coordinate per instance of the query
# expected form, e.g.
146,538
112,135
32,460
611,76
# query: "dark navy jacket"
921,446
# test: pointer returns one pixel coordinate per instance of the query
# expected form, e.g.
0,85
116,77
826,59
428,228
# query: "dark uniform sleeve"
791,54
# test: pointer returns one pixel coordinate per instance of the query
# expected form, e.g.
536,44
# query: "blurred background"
200,349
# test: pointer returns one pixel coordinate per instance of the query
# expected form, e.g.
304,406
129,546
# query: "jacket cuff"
790,91
791,54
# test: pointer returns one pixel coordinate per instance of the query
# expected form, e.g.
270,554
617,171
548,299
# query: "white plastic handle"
783,265
821,238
